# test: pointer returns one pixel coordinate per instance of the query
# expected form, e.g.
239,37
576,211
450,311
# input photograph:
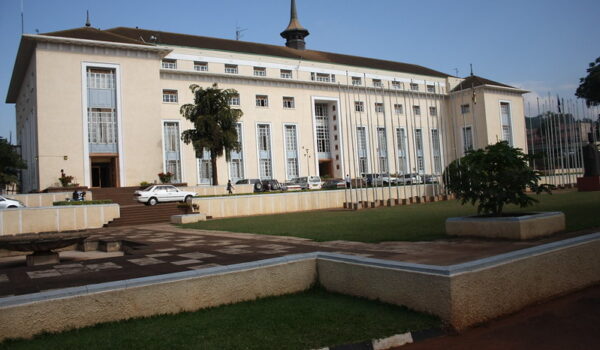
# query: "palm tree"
214,123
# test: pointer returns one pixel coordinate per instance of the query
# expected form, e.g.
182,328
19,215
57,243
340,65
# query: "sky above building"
538,45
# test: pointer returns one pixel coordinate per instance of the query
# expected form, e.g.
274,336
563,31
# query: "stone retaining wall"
34,200
218,190
56,219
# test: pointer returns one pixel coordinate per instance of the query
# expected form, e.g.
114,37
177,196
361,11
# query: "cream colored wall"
46,199
61,114
494,121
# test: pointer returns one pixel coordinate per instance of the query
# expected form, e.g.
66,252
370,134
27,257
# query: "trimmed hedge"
100,201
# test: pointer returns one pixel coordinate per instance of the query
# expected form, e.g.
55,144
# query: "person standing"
347,181
229,187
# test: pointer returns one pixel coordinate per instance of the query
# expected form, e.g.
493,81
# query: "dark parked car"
271,185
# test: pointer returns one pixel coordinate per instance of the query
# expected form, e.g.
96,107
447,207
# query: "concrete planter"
187,218
515,227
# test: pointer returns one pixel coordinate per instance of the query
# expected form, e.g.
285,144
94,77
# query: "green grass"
306,320
403,223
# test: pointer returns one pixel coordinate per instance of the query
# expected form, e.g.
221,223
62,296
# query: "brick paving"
162,248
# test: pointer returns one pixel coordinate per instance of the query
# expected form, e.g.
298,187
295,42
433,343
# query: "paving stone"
274,246
186,262
43,273
166,249
205,266
155,240
145,261
158,255
239,246
189,244
3,278
196,255
103,266
233,251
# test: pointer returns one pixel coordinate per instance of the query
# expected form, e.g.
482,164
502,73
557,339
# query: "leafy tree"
493,177
214,123
589,87
10,163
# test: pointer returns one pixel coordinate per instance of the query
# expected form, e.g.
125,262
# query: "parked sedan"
154,194
7,203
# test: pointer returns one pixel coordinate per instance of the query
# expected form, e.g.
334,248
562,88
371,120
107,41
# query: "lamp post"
307,156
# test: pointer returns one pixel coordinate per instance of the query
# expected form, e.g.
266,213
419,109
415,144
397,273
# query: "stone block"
42,258
187,218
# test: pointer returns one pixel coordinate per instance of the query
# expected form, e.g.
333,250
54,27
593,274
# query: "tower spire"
295,33
87,18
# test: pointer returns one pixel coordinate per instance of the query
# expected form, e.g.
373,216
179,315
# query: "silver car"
7,203
154,194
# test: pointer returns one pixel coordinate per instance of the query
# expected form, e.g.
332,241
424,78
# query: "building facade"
103,105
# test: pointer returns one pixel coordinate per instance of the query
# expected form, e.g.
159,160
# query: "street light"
307,155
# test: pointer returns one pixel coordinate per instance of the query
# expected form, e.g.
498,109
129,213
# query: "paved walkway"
163,248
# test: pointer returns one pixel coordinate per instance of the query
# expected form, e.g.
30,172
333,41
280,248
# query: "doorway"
104,171
325,168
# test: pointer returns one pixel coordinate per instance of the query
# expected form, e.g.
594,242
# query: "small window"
288,103
379,107
356,81
201,66
417,110
169,64
377,83
262,101
170,96
286,74
231,68
234,100
430,88
326,78
260,72
464,109
359,106
396,84
414,86
433,111
398,109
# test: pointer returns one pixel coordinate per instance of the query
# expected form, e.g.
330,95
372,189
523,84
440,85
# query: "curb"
392,341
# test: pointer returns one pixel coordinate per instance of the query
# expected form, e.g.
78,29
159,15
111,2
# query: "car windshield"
241,182
149,188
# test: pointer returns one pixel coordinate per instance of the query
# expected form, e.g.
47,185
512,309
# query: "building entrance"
325,168
104,171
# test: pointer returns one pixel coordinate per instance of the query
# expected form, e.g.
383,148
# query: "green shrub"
493,177
100,201
144,184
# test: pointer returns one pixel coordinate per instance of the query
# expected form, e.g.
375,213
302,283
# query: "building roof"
90,33
474,81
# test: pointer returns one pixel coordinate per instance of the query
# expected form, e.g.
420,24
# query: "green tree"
589,87
10,163
493,177
214,123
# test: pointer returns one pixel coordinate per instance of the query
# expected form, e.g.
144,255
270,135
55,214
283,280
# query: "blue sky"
533,44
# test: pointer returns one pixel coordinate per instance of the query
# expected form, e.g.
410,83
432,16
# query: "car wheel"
188,199
152,201
258,187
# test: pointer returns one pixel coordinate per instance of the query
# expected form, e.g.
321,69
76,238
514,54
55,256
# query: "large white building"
104,106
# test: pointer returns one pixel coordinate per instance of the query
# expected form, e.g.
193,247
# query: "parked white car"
154,194
7,203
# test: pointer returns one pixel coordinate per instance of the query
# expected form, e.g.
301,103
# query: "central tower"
295,33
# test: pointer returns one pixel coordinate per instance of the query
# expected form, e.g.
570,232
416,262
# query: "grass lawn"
420,222
306,320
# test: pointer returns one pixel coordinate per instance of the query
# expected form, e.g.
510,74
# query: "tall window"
431,88
322,127
382,150
291,151
419,148
236,164
285,74
402,159
361,138
204,168
260,71
356,81
359,106
416,110
172,153
288,103
102,110
169,64
379,107
506,122
170,96
467,139
234,100
414,86
437,152
262,101
464,109
264,151
231,68
201,66
398,109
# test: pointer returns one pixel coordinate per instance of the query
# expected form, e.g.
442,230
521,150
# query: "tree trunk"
213,163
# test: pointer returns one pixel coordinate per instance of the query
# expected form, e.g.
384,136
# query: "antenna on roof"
87,18
238,32
471,68
22,20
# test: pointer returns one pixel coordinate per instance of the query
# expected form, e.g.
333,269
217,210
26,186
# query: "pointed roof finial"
295,33
87,19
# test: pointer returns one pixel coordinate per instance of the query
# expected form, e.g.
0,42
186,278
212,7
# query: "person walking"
229,187
347,181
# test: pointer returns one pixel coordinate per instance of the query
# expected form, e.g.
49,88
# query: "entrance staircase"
134,213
